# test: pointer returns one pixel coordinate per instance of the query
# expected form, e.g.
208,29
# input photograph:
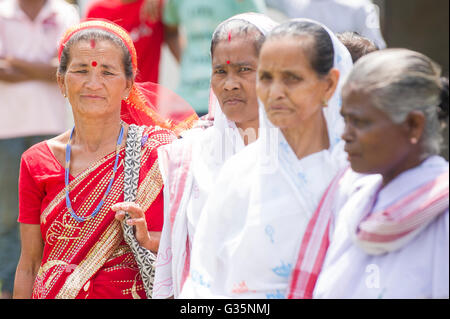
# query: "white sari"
416,266
189,168
250,231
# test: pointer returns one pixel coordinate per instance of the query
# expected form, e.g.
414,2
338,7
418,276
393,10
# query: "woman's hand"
137,219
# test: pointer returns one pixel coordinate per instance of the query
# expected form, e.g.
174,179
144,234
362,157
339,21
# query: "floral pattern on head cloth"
148,103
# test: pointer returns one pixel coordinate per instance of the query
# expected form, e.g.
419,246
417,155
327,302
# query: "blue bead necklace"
66,178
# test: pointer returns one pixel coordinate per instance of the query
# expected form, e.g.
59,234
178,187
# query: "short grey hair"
97,35
321,53
400,81
237,27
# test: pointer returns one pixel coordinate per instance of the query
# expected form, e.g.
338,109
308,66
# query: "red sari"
88,259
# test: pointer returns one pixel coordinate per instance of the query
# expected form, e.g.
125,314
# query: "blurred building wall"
420,25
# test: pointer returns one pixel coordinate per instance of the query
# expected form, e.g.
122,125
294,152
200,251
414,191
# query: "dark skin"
293,93
375,144
233,81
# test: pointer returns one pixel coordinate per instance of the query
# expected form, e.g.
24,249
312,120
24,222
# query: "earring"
324,103
413,140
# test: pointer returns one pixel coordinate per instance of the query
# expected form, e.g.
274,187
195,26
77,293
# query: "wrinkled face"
374,143
291,90
233,78
95,81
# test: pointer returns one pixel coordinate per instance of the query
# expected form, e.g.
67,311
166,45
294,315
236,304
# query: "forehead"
286,52
357,101
98,50
240,47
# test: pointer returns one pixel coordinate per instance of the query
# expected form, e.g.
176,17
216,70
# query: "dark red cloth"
147,36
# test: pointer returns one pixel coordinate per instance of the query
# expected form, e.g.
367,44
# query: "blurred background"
422,26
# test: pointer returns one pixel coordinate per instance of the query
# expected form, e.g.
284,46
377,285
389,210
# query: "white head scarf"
264,25
204,151
226,129
271,134
260,207
275,152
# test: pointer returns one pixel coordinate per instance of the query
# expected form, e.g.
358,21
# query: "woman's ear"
61,83
331,81
128,87
415,126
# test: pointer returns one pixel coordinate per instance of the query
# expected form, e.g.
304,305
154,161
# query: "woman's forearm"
29,262
24,281
35,70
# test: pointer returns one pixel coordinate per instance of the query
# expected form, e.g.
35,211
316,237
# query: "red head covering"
148,103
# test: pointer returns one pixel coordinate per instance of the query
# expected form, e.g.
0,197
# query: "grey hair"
97,35
237,27
321,55
400,81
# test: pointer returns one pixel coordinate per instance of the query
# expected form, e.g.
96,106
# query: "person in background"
356,44
254,219
190,166
31,107
389,235
361,16
196,20
147,35
82,6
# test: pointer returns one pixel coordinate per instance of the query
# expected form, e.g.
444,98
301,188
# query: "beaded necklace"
66,178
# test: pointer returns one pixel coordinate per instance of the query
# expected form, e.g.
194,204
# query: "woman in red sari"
70,186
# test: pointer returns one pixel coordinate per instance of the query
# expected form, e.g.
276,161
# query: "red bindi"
229,36
94,64
228,61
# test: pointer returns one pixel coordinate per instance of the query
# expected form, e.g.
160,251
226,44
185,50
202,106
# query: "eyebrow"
83,65
219,66
283,72
289,73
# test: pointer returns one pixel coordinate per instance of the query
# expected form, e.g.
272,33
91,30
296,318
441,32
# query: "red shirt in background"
147,36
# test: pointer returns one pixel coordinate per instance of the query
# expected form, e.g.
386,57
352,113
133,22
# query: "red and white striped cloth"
388,230
380,232
314,245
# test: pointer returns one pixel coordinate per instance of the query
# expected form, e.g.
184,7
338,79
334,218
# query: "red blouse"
42,178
